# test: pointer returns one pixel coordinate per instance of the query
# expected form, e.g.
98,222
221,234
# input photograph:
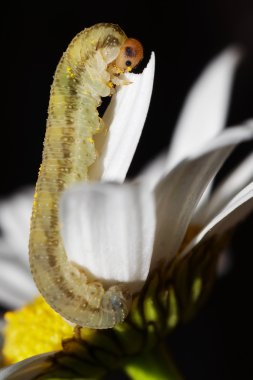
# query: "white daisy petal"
125,117
179,192
109,229
15,214
205,109
230,136
225,262
236,210
11,298
16,283
153,172
27,369
231,185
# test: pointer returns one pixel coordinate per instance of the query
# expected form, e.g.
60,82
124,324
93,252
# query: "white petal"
153,172
2,323
109,230
27,369
205,109
237,209
179,192
230,136
16,284
15,214
125,117
225,262
236,181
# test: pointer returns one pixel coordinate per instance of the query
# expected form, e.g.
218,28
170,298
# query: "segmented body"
81,79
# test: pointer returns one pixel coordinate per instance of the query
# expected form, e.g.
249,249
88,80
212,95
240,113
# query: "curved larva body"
81,79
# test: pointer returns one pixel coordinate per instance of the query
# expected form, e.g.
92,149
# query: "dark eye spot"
116,303
128,63
130,52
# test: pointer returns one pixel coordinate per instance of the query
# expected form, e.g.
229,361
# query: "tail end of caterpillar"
112,310
116,303
113,306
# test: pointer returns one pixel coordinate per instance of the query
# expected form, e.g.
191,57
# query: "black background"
185,35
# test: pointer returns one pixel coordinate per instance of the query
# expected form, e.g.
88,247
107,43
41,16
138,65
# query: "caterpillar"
87,71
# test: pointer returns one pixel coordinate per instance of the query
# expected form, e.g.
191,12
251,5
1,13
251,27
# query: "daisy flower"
161,234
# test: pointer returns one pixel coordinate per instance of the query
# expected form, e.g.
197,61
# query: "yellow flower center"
33,330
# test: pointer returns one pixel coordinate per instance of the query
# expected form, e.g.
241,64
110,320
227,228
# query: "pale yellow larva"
88,70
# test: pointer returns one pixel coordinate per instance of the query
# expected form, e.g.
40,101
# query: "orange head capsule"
131,53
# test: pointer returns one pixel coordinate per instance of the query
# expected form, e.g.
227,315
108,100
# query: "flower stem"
156,364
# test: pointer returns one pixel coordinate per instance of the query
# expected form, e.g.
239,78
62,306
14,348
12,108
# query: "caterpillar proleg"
88,70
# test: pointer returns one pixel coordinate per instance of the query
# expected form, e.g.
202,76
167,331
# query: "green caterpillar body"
84,75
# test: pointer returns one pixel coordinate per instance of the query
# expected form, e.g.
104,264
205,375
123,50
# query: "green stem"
156,364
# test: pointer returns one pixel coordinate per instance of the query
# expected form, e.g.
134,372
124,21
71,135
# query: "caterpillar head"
131,53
